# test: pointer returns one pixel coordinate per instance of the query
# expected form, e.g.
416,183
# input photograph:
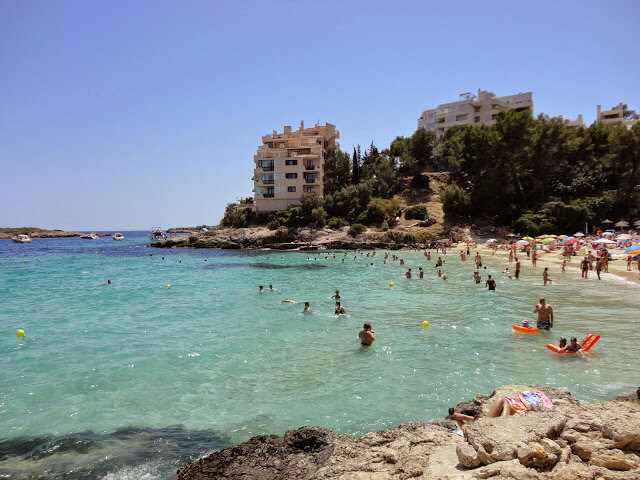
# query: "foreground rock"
301,239
570,441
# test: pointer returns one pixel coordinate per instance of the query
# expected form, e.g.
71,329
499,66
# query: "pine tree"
355,172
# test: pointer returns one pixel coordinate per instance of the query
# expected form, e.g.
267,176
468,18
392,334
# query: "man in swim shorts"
545,314
366,334
490,283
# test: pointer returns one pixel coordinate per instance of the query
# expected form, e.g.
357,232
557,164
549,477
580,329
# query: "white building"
472,109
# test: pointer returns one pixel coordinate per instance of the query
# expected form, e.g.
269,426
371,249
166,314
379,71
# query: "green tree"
337,169
422,146
355,167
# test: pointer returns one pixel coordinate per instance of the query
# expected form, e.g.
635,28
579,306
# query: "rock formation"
571,441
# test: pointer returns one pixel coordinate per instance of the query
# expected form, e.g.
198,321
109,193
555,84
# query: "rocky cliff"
570,441
301,239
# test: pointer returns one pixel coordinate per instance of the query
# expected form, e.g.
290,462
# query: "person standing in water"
545,314
517,272
366,334
490,283
545,276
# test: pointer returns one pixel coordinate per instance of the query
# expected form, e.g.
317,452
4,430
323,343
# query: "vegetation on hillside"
536,175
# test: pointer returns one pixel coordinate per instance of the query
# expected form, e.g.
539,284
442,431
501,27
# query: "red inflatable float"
523,329
588,342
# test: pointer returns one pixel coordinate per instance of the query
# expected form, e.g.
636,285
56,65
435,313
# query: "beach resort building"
289,164
480,109
618,115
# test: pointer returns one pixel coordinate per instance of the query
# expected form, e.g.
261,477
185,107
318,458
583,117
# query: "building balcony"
310,166
268,169
268,182
268,195
310,180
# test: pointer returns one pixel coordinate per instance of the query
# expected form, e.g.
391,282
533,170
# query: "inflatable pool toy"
20,333
586,344
391,284
520,328
168,286
425,324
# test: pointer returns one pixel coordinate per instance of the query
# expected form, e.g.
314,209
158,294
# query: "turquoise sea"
133,379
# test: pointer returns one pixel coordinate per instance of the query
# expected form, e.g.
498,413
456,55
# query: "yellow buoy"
391,284
425,324
20,333
25,260
168,286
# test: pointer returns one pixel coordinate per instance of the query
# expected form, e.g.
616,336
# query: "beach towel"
529,400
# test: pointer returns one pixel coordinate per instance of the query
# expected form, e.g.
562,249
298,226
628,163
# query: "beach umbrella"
603,240
522,242
633,250
529,239
622,224
606,221
570,241
579,234
563,236
624,236
546,240
492,240
637,223
607,234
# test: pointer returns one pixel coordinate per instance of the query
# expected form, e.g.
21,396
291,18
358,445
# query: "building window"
431,115
291,175
429,125
459,118
267,165
291,189
291,162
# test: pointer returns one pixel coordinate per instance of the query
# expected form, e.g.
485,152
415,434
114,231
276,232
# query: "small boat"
156,234
22,238
117,236
90,236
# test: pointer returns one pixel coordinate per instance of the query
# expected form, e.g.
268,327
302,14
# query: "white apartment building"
289,164
480,109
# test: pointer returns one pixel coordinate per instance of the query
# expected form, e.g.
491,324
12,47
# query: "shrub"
282,233
384,227
356,229
455,201
336,223
273,225
417,212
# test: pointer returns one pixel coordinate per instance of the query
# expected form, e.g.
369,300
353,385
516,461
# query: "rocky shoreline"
34,232
301,239
600,440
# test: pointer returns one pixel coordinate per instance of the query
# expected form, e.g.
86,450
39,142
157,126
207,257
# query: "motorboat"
90,236
22,238
156,234
117,236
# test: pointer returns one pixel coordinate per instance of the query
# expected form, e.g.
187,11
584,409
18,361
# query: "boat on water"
117,236
22,238
156,234
90,236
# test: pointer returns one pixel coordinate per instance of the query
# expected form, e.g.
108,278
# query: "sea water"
181,355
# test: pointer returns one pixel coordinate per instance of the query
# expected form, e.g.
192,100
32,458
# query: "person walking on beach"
584,265
366,334
545,314
545,276
598,267
517,272
490,283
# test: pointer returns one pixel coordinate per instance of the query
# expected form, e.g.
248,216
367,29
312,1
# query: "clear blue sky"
121,115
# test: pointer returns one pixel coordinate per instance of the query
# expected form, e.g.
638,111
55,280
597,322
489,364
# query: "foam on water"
213,355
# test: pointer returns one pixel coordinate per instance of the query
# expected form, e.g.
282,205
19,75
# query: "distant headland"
35,232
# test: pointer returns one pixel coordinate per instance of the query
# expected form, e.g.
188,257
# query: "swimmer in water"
261,289
366,334
340,309
307,308
336,295
408,274
288,300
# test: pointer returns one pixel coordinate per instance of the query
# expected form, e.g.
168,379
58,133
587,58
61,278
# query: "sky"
123,115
